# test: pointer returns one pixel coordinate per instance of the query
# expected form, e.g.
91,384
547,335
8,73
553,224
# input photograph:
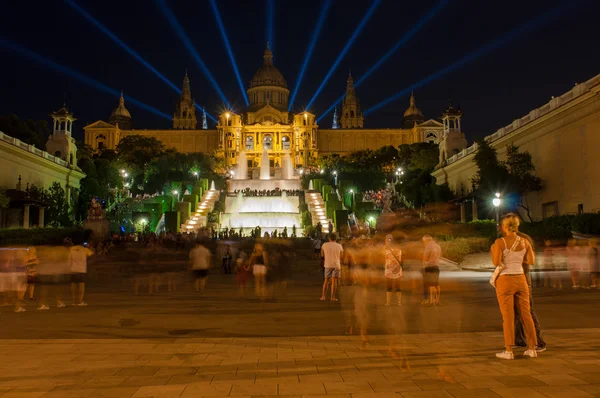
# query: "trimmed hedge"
457,249
42,236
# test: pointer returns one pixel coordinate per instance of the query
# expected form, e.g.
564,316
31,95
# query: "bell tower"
61,144
185,111
453,140
352,116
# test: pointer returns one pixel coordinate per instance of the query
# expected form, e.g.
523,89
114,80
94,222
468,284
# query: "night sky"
492,90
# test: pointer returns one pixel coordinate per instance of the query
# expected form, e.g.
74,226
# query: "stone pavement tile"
68,394
302,388
563,392
431,385
247,389
184,379
229,378
160,391
588,377
140,371
299,370
139,381
204,389
23,394
337,368
276,379
348,387
105,381
481,382
377,395
328,396
168,371
113,392
559,380
518,392
426,394
321,378
519,381
474,393
394,386
158,363
593,389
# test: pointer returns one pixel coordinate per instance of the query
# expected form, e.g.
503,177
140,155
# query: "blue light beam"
11,45
191,49
270,5
309,52
215,9
349,44
511,35
400,43
114,38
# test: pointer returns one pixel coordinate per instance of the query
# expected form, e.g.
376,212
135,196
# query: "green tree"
492,175
139,150
33,132
58,208
522,178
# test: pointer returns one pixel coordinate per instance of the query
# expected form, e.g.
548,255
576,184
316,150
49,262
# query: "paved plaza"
219,344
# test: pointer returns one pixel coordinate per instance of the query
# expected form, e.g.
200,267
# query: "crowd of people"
268,192
45,271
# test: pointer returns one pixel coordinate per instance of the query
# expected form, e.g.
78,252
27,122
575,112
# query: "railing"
554,103
30,148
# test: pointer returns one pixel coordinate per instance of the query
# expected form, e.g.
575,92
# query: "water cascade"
212,186
311,186
287,170
241,172
265,170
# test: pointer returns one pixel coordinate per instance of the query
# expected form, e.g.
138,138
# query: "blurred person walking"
594,263
431,271
574,259
227,260
258,259
243,271
54,273
509,253
199,265
393,270
78,257
332,254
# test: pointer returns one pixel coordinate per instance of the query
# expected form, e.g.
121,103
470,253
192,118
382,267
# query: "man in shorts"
431,271
78,257
199,264
332,254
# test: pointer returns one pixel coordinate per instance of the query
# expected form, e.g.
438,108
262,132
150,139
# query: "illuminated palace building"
267,124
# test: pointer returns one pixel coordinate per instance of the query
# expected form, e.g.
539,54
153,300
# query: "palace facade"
563,138
267,124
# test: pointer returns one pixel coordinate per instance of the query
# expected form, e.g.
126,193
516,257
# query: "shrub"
457,249
306,219
586,223
219,206
42,236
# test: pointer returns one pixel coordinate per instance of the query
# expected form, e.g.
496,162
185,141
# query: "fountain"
212,186
241,172
246,211
311,186
287,170
265,168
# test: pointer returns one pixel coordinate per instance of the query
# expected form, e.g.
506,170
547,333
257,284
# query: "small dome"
121,111
412,115
268,74
412,110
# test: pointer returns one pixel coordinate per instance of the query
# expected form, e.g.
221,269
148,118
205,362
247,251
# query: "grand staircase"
199,218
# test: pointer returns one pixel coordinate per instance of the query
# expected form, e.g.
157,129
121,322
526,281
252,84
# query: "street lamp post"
352,201
335,178
176,197
497,202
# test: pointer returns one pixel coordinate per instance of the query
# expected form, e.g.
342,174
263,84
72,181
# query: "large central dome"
268,74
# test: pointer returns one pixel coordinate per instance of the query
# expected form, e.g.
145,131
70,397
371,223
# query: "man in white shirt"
332,253
78,257
199,264
431,271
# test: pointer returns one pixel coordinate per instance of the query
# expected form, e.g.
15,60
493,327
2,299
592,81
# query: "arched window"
431,137
268,142
352,113
249,143
285,143
229,122
184,114
230,140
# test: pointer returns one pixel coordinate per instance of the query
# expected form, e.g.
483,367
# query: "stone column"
41,217
474,207
463,214
26,216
